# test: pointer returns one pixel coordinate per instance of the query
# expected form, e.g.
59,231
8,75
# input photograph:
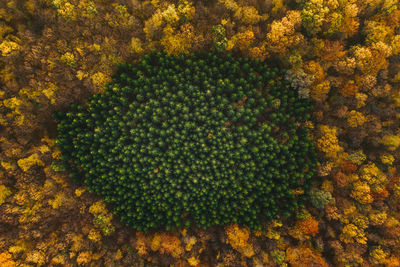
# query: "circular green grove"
203,138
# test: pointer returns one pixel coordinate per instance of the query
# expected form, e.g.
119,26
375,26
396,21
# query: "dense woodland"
343,55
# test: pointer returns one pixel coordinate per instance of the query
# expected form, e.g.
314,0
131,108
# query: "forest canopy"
343,56
206,137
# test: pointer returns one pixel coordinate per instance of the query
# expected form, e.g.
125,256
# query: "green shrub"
204,138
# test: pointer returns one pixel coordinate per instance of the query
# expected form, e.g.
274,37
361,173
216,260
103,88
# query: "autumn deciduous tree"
303,256
308,226
283,35
328,142
237,238
176,42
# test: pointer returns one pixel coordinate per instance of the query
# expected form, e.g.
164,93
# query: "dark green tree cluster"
203,138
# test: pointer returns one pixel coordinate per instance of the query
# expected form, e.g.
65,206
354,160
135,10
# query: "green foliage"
278,256
204,138
219,35
58,166
320,198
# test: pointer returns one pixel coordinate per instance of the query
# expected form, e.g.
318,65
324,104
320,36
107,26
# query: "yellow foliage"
5,192
118,255
68,59
378,254
8,47
99,79
77,242
172,245
87,8
278,5
21,245
67,11
29,213
320,91
378,218
12,103
356,118
179,42
4,30
314,68
79,191
136,45
396,45
33,160
37,257
376,32
153,24
362,192
141,244
58,259
57,201
273,234
155,242
357,157
190,243
248,15
170,15
193,261
373,176
81,74
329,143
387,159
56,154
391,141
6,260
361,98
120,16
282,35
8,165
84,257
327,185
98,207
242,40
237,238
314,14
351,233
44,149
382,49
369,60
94,235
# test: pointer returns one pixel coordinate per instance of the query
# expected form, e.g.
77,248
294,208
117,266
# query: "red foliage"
341,179
348,166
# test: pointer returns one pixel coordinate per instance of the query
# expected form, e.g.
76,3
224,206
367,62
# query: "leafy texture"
205,138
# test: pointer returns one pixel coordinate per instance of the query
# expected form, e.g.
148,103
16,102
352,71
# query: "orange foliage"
308,226
333,50
304,257
382,195
348,166
6,260
332,212
166,243
350,89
